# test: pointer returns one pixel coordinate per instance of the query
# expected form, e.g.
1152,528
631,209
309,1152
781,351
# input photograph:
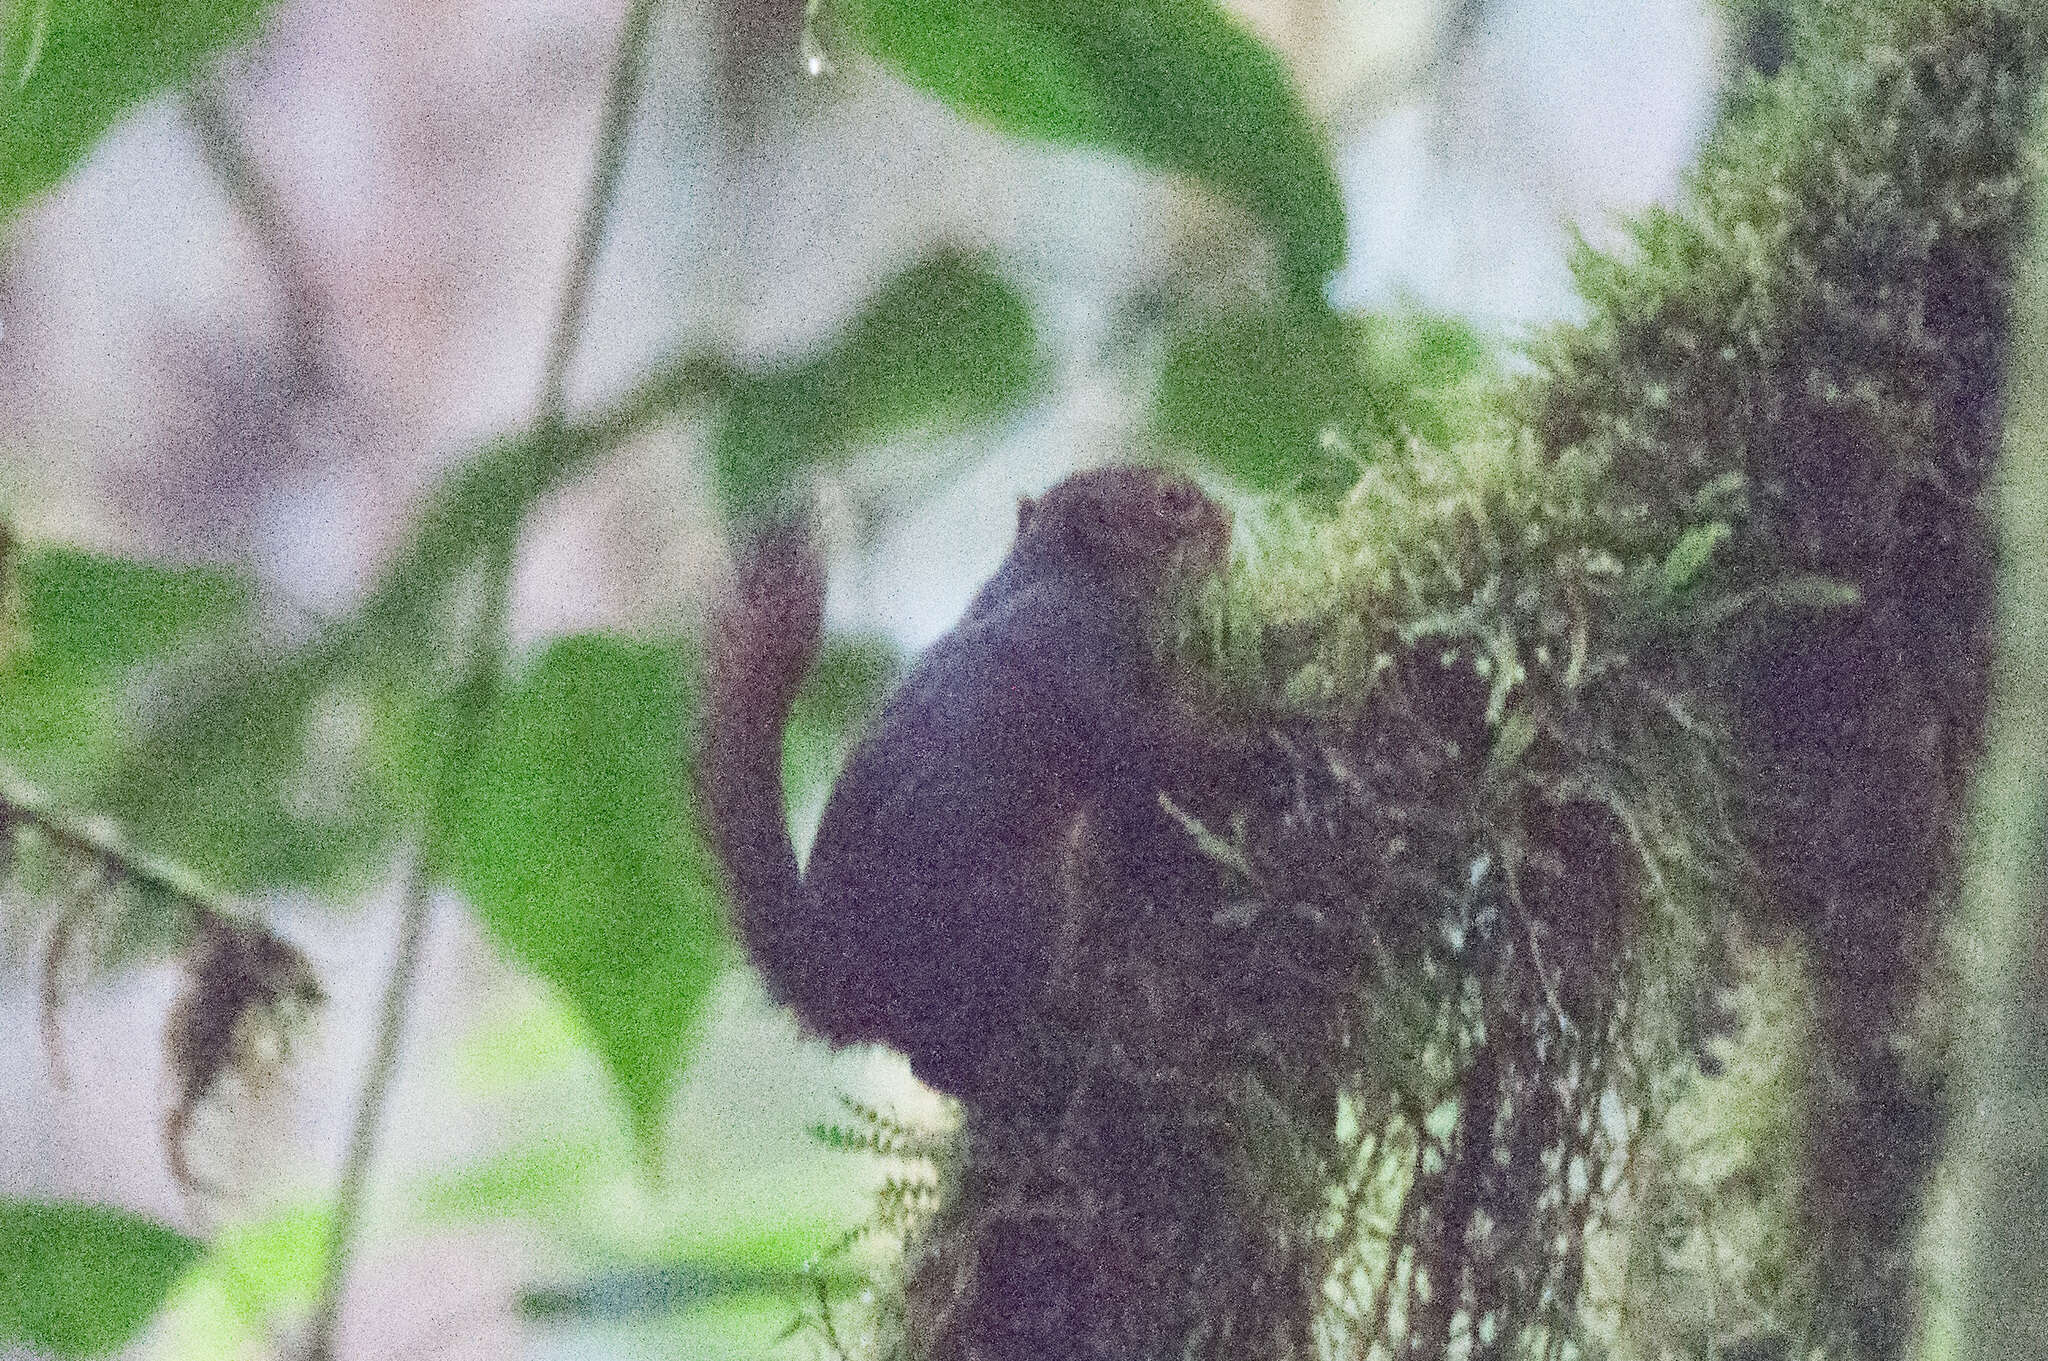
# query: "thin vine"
483,671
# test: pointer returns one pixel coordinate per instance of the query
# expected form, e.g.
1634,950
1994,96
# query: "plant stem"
621,98
471,705
483,671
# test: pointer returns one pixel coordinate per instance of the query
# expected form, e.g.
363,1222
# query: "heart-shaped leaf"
576,846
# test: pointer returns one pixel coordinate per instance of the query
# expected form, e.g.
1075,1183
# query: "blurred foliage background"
378,386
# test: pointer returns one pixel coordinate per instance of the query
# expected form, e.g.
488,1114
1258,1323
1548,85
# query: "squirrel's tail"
762,634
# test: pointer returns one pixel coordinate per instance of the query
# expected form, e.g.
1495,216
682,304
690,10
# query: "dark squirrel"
931,909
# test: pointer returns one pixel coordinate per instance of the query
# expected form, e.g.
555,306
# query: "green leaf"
1276,399
266,1266
484,502
637,1292
280,771
1809,593
81,1280
531,1182
576,846
1691,554
69,68
139,691
1511,741
256,1279
944,344
1175,84
301,769
82,621
100,612
259,769
789,1257
1789,600
1421,366
1298,398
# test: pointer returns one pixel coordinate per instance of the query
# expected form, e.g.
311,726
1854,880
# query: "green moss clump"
1831,324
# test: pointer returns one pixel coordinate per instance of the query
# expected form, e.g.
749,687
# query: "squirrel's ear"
1025,508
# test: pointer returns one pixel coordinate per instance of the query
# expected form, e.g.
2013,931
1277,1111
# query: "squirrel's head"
1129,526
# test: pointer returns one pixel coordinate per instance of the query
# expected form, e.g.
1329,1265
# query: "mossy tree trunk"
1681,656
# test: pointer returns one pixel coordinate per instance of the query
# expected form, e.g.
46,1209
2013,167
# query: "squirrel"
930,913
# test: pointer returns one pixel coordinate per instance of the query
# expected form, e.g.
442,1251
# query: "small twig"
511,472
23,805
484,665
1512,879
255,198
91,883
